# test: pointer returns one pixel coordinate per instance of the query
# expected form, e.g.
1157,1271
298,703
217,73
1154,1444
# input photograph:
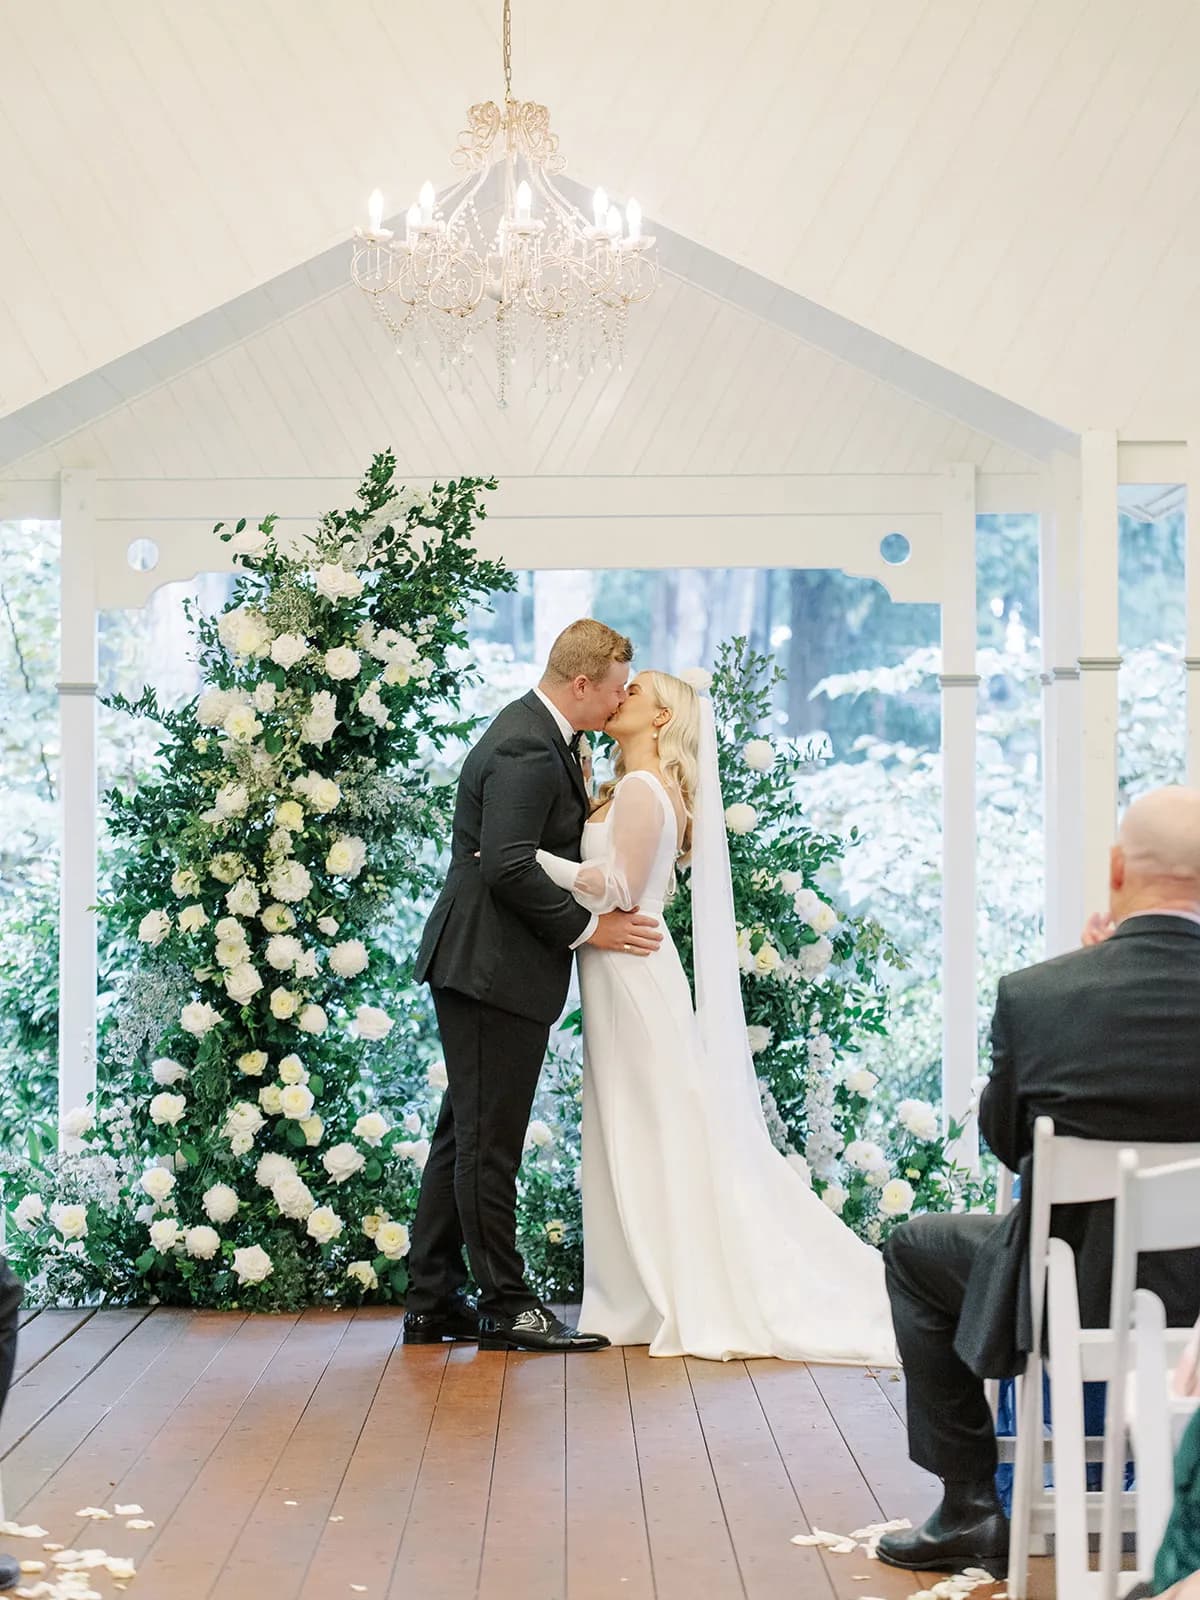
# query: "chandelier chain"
507,50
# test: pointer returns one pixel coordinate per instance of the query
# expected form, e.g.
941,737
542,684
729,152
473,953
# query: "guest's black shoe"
10,1572
535,1329
968,1530
459,1321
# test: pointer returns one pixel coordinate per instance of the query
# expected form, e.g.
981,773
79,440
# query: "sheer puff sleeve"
617,879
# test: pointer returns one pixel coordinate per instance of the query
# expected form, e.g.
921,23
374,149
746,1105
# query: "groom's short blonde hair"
587,649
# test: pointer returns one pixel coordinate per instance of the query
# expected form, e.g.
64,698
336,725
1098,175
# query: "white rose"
184,882
741,818
371,1128
806,904
242,983
253,1063
291,1070
866,1156
322,794
363,1272
335,583
397,673
232,799
241,1144
412,1123
264,697
278,919
202,1242
220,1203
861,1081
230,928
349,958
699,678
273,1166
284,1004
244,632
249,542
556,1230
342,1162
226,867
290,880
814,958
167,1109
288,649
347,856
437,1077
759,1039
252,1264
192,919
306,964
213,707
759,755
919,1118
270,1099
372,1023
231,952
164,1234
242,724
30,1210
328,926
372,706
157,1182
896,1198
824,919
293,1196
767,959
282,950
243,899
313,1019
392,1240
317,727
77,1122
244,1117
70,1220
790,882
312,1128
341,662
296,1101
414,1150
835,1198
289,814
538,1134
323,1224
154,927
199,1018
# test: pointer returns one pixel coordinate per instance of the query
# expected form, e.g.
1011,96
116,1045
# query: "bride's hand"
627,931
1098,927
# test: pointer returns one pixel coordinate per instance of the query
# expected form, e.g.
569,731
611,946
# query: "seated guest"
1106,1040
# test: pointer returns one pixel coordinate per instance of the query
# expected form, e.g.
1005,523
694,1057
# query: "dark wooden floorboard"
446,1473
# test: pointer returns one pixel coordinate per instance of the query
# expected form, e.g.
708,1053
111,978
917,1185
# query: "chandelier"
547,276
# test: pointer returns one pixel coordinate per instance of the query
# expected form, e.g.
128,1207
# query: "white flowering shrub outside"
241,1151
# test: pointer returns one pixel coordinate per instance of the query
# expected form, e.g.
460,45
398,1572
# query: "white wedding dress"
699,1238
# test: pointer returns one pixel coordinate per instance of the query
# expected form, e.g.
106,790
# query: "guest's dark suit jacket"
1107,1042
501,932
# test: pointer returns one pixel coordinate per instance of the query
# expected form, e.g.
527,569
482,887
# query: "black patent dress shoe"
10,1572
535,1329
950,1544
458,1321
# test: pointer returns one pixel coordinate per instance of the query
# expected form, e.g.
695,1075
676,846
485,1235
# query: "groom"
497,956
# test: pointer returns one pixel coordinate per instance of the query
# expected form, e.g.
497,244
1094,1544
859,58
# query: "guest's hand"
1098,927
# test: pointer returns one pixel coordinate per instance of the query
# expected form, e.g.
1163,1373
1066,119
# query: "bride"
699,1237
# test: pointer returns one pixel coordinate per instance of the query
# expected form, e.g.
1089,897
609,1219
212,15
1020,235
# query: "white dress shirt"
568,734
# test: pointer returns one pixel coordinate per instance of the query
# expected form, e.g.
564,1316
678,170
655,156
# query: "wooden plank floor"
297,1457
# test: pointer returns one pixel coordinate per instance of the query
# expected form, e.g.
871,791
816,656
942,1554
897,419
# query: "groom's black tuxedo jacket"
501,932
1107,1042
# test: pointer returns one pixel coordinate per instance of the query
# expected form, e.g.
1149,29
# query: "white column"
1192,603
79,809
1099,659
960,694
1061,703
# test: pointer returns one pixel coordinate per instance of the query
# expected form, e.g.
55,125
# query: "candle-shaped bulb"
375,209
613,223
599,207
427,201
524,201
412,220
633,218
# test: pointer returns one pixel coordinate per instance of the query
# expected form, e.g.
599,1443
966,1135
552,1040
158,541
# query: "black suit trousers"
468,1192
928,1261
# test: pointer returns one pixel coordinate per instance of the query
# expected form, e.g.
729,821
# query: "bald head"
1156,860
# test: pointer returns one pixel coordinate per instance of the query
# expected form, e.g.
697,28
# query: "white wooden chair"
1157,1209
1065,1172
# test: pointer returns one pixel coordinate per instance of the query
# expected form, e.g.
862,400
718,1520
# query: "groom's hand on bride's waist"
629,931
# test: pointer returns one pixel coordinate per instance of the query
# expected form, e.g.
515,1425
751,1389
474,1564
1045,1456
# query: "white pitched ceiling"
1005,187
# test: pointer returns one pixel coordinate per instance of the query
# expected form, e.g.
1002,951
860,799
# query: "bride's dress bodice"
629,855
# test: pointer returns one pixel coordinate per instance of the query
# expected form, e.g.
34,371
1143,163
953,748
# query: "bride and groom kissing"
699,1237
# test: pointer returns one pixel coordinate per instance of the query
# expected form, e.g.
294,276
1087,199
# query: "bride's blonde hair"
678,744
